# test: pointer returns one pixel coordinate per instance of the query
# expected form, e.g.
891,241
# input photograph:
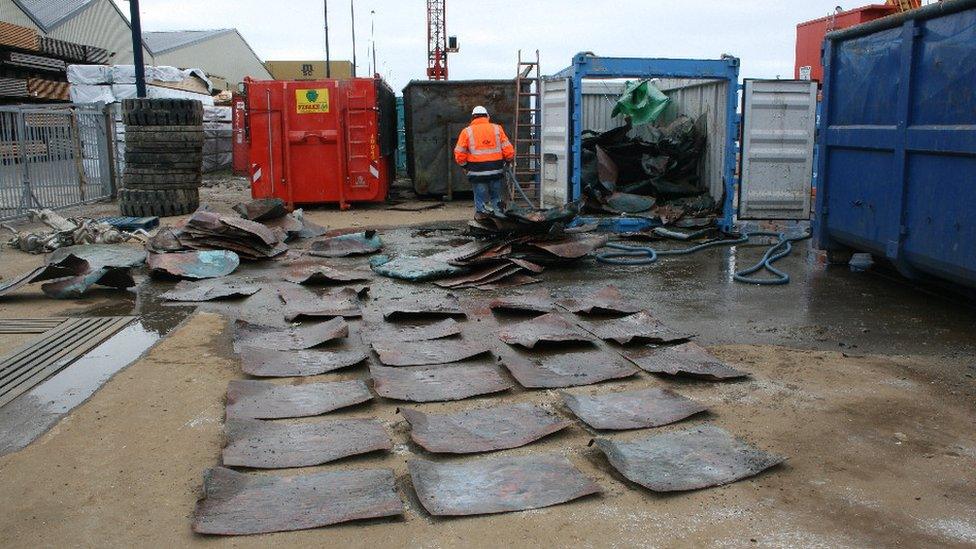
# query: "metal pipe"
137,59
352,11
328,60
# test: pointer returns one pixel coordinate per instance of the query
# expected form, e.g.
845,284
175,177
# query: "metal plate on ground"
301,337
691,459
607,300
566,369
209,290
425,353
306,273
340,303
194,265
540,301
512,281
549,328
264,400
440,305
277,445
239,503
271,363
633,409
497,485
29,325
640,327
413,269
483,429
101,255
367,242
427,332
687,359
438,383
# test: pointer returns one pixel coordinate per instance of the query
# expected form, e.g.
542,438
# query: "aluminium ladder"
527,138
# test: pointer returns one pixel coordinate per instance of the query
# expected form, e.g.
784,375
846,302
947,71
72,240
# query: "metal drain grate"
56,349
29,325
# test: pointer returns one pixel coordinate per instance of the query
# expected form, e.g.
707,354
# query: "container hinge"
903,230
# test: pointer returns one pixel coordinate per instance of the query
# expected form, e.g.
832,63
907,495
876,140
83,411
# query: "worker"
484,152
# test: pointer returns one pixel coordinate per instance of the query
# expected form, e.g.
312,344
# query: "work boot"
481,216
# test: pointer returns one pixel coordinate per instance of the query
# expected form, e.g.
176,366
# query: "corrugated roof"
162,42
48,14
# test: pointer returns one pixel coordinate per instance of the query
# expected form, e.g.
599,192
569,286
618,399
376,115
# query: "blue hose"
638,255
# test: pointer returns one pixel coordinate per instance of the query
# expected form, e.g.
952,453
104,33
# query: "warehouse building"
91,22
222,53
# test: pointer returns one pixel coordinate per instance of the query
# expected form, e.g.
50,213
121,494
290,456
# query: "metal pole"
352,11
372,32
137,48
328,61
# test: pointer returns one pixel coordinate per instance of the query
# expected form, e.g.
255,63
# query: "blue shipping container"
401,154
897,167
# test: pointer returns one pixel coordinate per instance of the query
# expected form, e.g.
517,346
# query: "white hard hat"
479,110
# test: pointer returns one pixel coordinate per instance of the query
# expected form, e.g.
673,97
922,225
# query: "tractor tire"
155,170
160,181
162,112
158,202
138,156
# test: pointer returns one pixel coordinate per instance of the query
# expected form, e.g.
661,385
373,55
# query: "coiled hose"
639,255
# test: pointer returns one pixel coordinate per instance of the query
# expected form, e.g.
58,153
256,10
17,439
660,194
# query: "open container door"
555,140
778,133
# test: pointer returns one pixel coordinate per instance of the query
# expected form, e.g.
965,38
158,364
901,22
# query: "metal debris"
211,231
165,240
438,330
68,232
240,503
425,353
194,265
640,327
632,410
688,359
513,281
483,429
607,300
264,400
691,459
339,303
550,328
479,276
441,305
270,363
437,383
540,301
515,221
76,286
314,273
262,209
209,290
497,485
277,445
363,243
413,269
301,337
569,248
100,255
568,369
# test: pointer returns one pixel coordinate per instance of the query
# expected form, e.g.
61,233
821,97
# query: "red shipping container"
321,141
810,36
240,147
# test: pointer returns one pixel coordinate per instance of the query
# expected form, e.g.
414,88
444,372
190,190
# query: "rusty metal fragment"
363,243
271,363
633,409
550,328
509,282
572,247
438,330
425,353
687,359
483,429
100,255
339,303
413,269
540,301
473,278
690,459
497,485
301,337
76,286
262,209
277,445
437,383
206,230
311,273
240,503
607,300
208,290
640,327
264,400
194,265
566,369
442,305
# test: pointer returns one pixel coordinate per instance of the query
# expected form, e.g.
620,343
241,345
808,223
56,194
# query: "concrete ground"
864,382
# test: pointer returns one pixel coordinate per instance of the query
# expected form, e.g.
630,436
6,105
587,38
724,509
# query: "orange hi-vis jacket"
482,149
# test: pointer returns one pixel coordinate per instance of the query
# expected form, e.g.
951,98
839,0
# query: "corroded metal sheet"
437,383
566,369
264,400
475,277
633,409
691,459
347,244
239,503
607,300
271,363
427,332
208,290
305,336
688,359
483,429
100,255
306,273
640,327
550,328
512,281
262,209
76,286
424,353
413,269
277,445
440,305
194,265
497,485
339,303
539,301
572,247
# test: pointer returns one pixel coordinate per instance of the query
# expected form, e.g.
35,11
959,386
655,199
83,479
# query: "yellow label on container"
314,101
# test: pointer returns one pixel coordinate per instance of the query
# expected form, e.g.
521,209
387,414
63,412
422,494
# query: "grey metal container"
435,113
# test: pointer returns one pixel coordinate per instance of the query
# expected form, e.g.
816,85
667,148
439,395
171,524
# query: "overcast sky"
760,32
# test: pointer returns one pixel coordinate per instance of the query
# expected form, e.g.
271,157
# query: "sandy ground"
880,446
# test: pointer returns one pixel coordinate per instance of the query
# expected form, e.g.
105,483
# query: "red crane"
438,43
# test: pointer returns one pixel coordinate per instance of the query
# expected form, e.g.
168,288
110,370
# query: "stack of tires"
163,157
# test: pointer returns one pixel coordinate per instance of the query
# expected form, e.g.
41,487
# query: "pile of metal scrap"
249,239
517,221
272,213
70,272
68,232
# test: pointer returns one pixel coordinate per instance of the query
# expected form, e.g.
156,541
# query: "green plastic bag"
642,102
